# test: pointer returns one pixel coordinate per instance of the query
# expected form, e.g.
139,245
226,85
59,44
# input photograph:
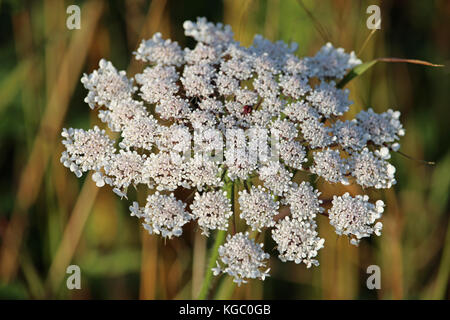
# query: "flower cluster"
169,122
163,214
242,259
212,210
258,208
297,240
355,216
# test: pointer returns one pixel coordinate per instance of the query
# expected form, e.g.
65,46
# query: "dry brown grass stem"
32,174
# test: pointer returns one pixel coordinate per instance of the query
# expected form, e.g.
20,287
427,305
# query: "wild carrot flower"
164,215
279,114
242,259
258,208
355,216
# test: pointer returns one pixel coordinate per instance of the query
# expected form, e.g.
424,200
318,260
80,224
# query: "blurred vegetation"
50,219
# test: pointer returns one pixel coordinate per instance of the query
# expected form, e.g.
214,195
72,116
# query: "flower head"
330,62
165,215
212,210
371,170
297,241
355,216
258,208
160,51
86,150
303,201
242,258
381,128
227,122
329,165
106,85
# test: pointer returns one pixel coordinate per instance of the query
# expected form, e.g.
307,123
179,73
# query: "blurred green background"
50,219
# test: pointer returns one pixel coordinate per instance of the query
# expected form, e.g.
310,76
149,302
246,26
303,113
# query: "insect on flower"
247,109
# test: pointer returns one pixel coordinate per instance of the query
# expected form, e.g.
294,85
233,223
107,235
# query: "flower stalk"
214,253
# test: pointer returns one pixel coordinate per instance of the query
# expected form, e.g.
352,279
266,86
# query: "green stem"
214,253
226,289
220,237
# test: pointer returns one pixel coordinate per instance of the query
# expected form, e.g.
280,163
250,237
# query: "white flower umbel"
175,139
297,240
242,259
226,84
294,86
329,100
293,154
140,133
157,82
165,170
202,53
124,169
212,105
371,170
222,116
121,113
382,128
212,210
258,208
301,111
329,165
216,35
201,119
275,177
316,133
304,201
283,129
197,80
106,85
350,135
200,171
164,215
331,63
237,157
266,85
240,64
160,51
86,150
173,108
275,52
355,216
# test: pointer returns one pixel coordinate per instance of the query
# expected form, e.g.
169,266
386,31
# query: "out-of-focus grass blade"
437,289
319,27
359,70
11,84
117,263
440,184
13,291
356,71
35,284
226,289
412,61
